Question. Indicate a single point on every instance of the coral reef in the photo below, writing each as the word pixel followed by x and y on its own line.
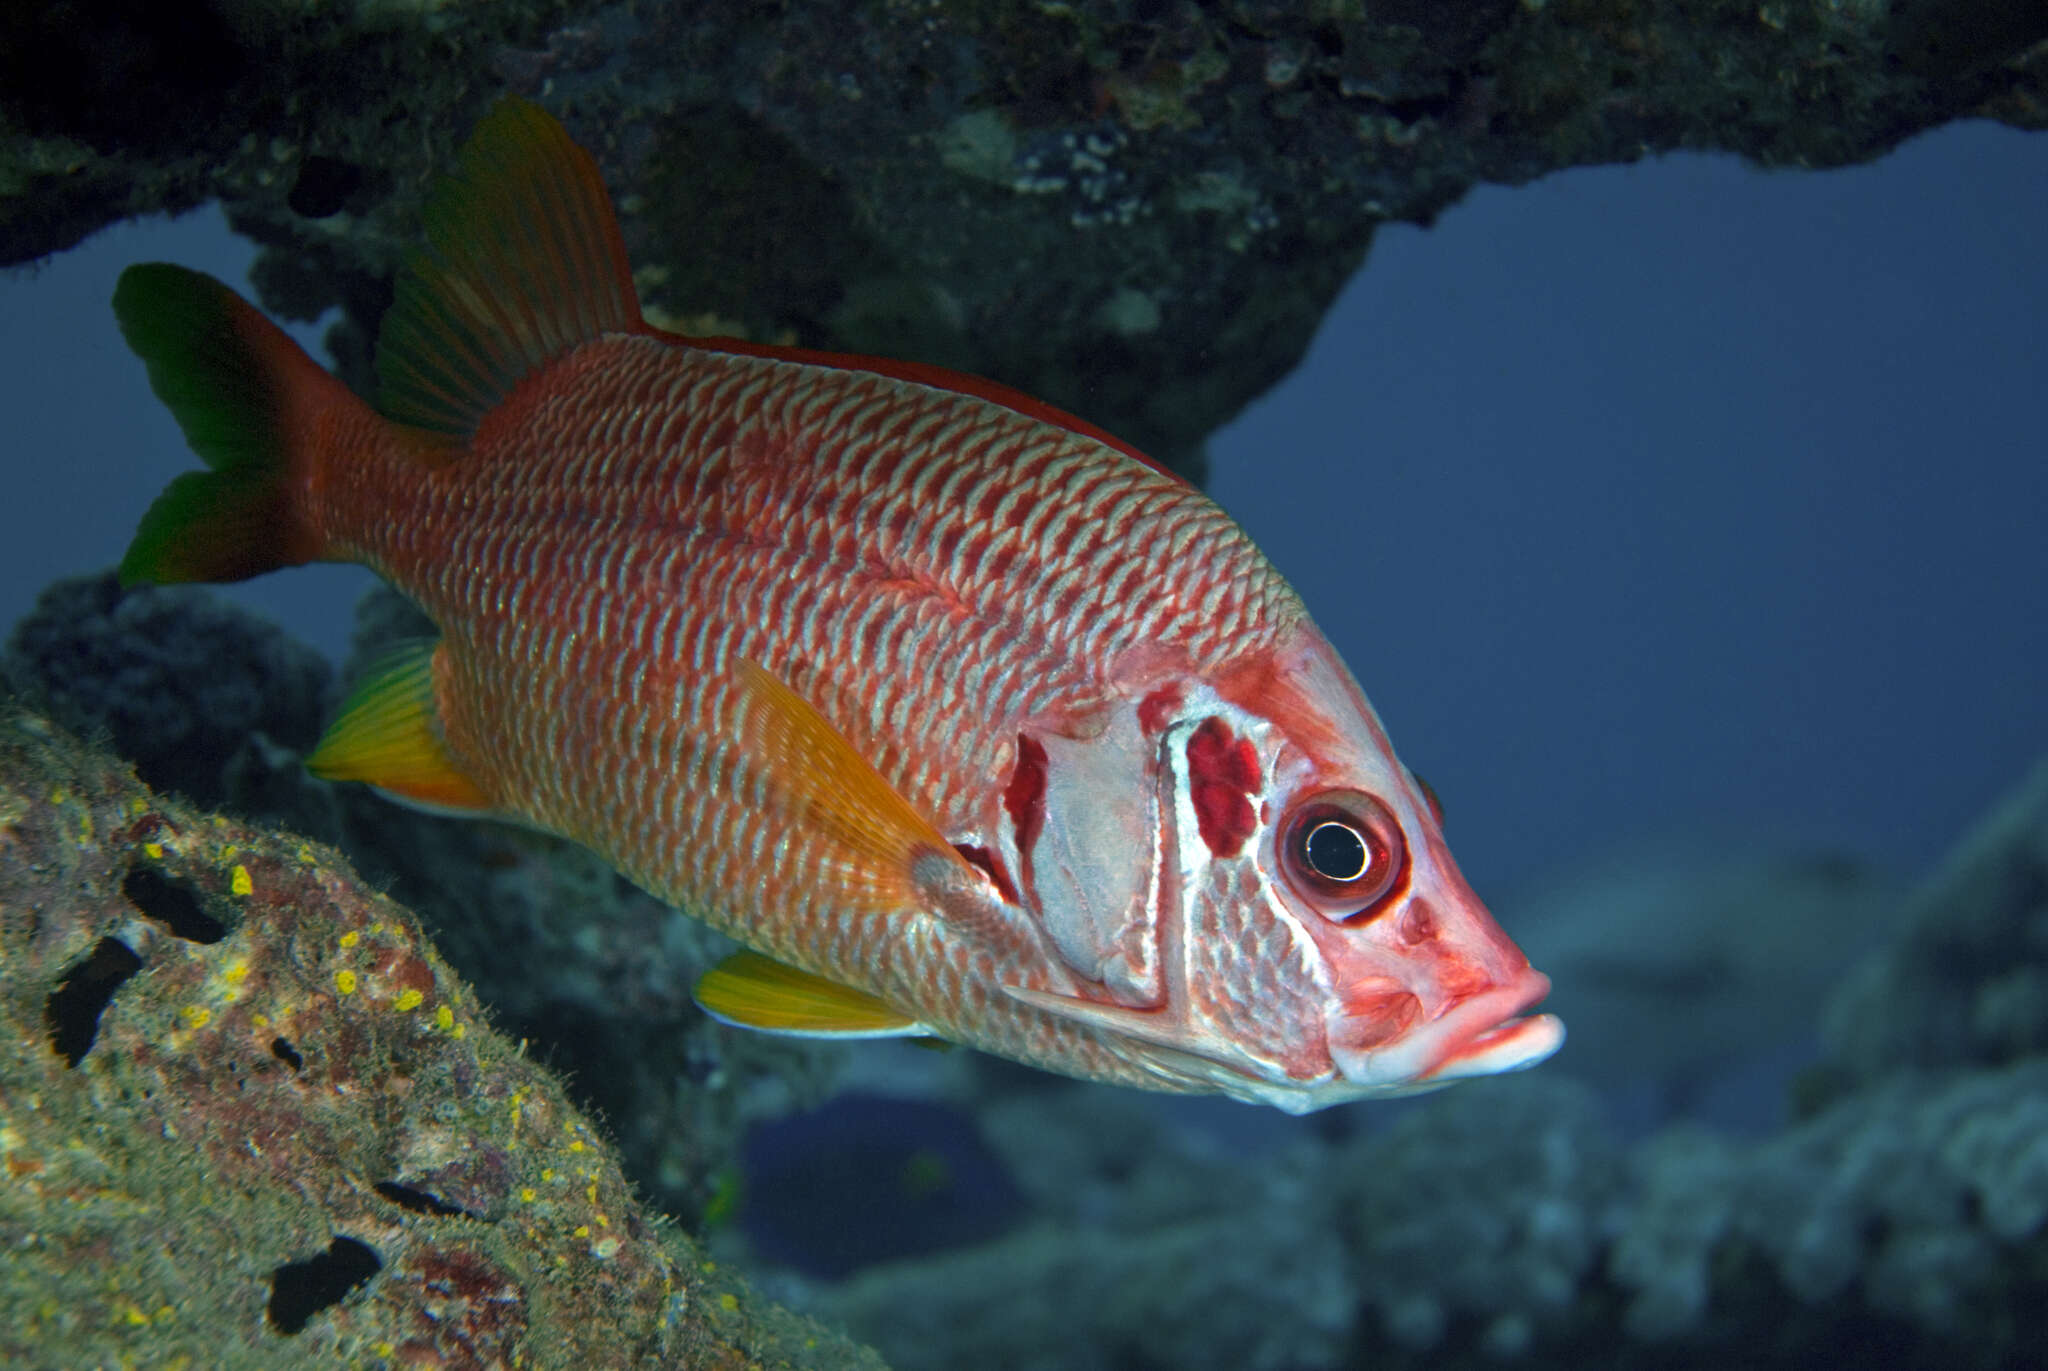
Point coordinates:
pixel 219 704
pixel 1503 1224
pixel 175 678
pixel 1967 981
pixel 250 1118
pixel 1138 212
pixel 1690 967
pixel 1908 1216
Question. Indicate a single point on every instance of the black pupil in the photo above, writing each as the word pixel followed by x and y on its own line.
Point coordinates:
pixel 1336 852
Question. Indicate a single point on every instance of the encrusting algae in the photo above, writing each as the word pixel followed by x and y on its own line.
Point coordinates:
pixel 248 1116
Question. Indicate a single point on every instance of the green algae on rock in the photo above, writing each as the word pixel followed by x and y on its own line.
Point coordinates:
pixel 248 1117
pixel 213 701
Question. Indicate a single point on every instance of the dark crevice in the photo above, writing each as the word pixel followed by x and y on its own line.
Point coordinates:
pixel 421 1201
pixel 122 76
pixel 173 904
pixel 299 1290
pixel 73 1010
pixel 324 186
pixel 282 1049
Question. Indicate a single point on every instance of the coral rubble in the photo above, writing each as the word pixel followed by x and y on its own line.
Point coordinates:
pixel 248 1117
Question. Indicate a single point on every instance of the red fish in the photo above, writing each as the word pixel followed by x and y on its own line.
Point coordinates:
pixel 966 718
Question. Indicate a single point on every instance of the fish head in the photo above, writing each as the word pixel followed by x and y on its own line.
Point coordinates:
pixel 1312 941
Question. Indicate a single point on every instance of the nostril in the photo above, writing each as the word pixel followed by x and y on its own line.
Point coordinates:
pixel 1418 924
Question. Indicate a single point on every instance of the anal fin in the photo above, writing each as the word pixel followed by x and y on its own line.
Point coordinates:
pixel 389 734
pixel 749 990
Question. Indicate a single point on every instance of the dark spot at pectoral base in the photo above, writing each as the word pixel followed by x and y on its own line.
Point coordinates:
pixel 282 1049
pixel 991 866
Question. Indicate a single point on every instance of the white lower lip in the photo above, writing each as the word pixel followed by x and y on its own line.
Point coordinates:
pixel 1482 1035
pixel 1508 1046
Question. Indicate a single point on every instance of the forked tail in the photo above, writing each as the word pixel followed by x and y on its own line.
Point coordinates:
pixel 251 403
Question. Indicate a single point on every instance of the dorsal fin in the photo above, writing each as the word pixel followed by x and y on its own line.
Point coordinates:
pixel 523 260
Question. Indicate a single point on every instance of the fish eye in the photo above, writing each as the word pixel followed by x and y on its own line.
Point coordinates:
pixel 1336 851
pixel 1343 853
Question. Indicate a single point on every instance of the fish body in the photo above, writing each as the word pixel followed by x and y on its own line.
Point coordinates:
pixel 966 718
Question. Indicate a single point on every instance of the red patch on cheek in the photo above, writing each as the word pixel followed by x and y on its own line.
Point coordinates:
pixel 1223 774
pixel 1458 977
pixel 1024 797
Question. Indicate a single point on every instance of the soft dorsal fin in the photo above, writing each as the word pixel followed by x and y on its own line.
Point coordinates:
pixel 523 260
pixel 389 734
pixel 749 990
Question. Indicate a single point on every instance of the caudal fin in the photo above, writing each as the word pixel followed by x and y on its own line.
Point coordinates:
pixel 241 390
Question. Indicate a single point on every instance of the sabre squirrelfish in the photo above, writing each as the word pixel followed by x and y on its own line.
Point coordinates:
pixel 966 718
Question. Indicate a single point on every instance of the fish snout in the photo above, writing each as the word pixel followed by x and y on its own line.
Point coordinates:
pixel 1384 1039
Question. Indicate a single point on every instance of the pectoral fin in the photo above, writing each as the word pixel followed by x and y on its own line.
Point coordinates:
pixel 886 850
pixel 749 990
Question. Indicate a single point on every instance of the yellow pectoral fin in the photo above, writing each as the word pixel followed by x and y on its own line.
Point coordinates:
pixel 884 844
pixel 388 735
pixel 748 990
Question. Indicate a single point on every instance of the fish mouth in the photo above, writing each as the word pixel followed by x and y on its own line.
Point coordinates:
pixel 1510 1044
pixel 1481 1035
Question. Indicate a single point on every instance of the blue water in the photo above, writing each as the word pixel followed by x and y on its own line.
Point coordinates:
pixel 1675 501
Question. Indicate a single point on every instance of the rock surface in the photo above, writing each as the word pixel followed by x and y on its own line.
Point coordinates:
pixel 249 1118
pixel 1138 212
